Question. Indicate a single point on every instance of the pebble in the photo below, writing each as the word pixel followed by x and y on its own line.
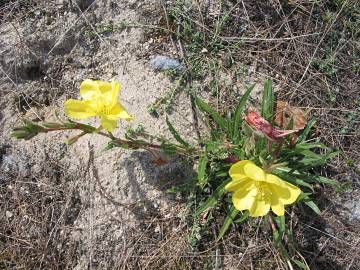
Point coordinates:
pixel 8 214
pixel 162 62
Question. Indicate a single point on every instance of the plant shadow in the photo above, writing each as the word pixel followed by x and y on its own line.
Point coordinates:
pixel 177 171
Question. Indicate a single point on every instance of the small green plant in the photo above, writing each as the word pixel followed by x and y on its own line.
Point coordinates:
pixel 244 163
pixel 326 66
pixel 352 121
pixel 102 29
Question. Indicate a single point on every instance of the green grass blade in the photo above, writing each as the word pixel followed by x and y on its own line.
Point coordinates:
pixel 228 221
pixel 239 110
pixel 175 134
pixel 202 178
pixel 306 131
pixel 300 264
pixel 243 217
pixel 212 200
pixel 268 100
pixel 204 107
pixel 313 206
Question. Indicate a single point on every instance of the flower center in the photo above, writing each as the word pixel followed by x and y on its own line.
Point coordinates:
pixel 263 190
pixel 103 108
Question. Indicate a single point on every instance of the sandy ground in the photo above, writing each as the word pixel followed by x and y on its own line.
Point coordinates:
pixel 43 61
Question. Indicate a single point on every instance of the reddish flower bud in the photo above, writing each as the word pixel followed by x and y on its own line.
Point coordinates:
pixel 231 159
pixel 264 127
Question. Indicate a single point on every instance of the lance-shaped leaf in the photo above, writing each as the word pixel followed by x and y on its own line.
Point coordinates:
pixel 228 221
pixel 176 134
pixel 204 107
pixel 238 113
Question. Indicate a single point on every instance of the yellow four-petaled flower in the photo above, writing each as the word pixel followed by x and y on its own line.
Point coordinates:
pixel 257 191
pixel 99 99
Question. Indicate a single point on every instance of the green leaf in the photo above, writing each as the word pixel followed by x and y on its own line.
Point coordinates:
pixel 222 174
pixel 244 217
pixel 239 110
pixel 51 125
pixel 300 264
pixel 213 199
pixel 276 236
pixel 306 131
pixel 228 221
pixel 280 221
pixel 326 180
pixel 310 154
pixel 28 131
pixel 293 180
pixel 168 148
pixel 313 206
pixel 176 134
pixel 204 107
pixel 321 160
pixel 202 178
pixel 303 196
pixel 110 145
pixel 302 146
pixel 268 99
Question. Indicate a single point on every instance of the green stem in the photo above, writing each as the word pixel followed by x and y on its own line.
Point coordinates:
pixel 131 144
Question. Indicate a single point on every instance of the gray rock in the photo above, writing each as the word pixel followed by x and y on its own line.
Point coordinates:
pixel 353 208
pixel 162 62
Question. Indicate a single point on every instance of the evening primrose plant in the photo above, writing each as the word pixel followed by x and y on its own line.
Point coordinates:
pixel 246 164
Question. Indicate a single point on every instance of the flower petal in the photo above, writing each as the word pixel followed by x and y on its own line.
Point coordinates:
pixel 109 92
pixel 108 122
pixel 236 184
pixel 79 109
pixel 278 208
pixel 260 207
pixel 119 111
pixel 276 205
pixel 244 197
pixel 254 172
pixel 89 89
pixel 238 176
pixel 285 192
pixel 273 179
pixel 238 167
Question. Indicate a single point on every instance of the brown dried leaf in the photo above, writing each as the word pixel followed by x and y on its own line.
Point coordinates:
pixel 284 112
pixel 159 161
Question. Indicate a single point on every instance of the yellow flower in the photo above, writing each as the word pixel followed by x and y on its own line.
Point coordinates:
pixel 99 99
pixel 255 190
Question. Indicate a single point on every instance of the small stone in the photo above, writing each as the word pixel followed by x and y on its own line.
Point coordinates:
pixel 8 214
pixel 328 229
pixel 162 62
pixel 157 229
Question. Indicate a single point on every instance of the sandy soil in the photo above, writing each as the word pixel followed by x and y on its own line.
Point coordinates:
pixel 43 61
